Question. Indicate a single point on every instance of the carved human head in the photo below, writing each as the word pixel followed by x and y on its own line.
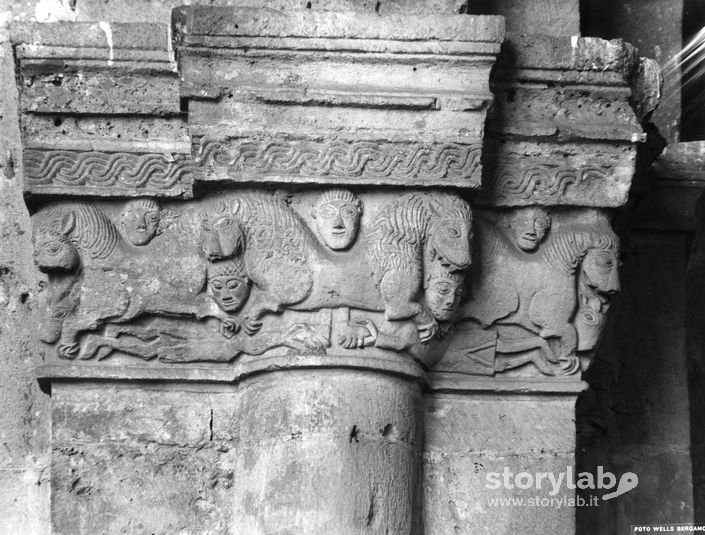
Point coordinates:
pixel 337 215
pixel 443 291
pixel 229 284
pixel 139 221
pixel 528 227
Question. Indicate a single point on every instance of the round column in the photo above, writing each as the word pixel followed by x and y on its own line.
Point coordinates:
pixel 330 450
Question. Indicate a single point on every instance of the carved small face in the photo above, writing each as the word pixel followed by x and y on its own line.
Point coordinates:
pixel 337 222
pixel 230 291
pixel 528 228
pixel 221 237
pixel 600 268
pixel 451 242
pixel 443 296
pixel 139 223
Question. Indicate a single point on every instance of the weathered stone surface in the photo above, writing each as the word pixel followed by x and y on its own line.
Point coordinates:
pixel 101 111
pixel 201 21
pixel 25 419
pixel 112 488
pixel 139 459
pixel 84 68
pixel 472 435
pixel 401 101
pixel 566 125
pixel 318 312
pixel 137 11
pixel 354 427
pixel 549 173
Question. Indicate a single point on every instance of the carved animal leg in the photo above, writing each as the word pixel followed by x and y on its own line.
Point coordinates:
pixel 263 304
pixel 568 337
pixel 137 348
pixel 113 330
pixel 543 362
pixel 507 363
pixel 399 290
pixel 92 344
pixel 68 347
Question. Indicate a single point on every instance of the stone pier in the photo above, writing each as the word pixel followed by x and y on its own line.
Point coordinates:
pixel 321 272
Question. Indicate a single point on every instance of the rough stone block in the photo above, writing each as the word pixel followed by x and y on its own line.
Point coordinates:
pixel 469 436
pixel 107 488
pixel 458 500
pixel 124 415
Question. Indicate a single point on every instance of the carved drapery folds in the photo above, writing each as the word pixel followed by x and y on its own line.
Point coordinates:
pixel 242 216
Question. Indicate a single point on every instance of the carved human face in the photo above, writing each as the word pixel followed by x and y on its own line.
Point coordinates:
pixel 443 297
pixel 451 242
pixel 230 291
pixel 600 269
pixel 139 223
pixel 528 227
pixel 337 222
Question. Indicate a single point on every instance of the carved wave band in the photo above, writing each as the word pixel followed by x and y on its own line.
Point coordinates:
pixel 543 182
pixel 101 169
pixel 360 159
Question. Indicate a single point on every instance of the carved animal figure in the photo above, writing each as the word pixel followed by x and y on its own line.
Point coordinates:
pixel 284 260
pixel 539 292
pixel 118 282
pixel 289 266
pixel 415 232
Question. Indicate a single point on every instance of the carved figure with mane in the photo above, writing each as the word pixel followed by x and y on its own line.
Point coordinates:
pixel 291 269
pixel 286 263
pixel 538 293
pixel 118 282
pixel 415 232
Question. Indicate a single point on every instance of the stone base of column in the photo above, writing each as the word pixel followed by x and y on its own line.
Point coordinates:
pixel 478 430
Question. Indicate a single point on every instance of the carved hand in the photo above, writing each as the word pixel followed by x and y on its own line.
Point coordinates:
pixel 251 325
pixel 68 350
pixel 359 334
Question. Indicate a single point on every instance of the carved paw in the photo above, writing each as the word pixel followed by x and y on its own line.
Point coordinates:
pixel 251 326
pixel 427 331
pixel 568 365
pixel 68 351
pixel 228 327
